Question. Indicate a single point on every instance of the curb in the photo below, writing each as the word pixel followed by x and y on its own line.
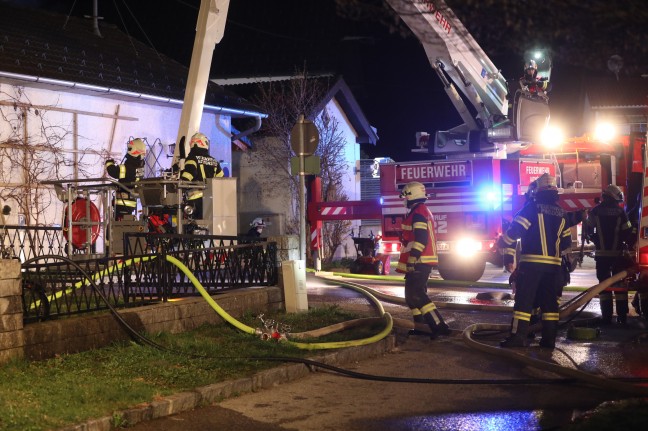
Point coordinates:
pixel 205 395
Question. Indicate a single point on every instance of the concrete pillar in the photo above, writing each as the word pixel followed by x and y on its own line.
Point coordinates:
pixel 12 338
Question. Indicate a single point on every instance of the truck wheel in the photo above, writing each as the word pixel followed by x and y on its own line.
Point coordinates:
pixel 379 267
pixel 452 268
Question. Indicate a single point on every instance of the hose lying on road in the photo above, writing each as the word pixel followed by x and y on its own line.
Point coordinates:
pixel 566 310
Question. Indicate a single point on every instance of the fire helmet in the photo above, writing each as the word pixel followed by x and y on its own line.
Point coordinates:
pixel 257 222
pixel 613 192
pixel 199 140
pixel 531 64
pixel 136 148
pixel 413 191
pixel 546 182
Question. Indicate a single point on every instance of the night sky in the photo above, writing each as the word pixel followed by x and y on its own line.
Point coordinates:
pixel 389 75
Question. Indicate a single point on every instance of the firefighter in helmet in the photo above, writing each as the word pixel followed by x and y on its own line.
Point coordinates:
pixel 256 228
pixel 536 86
pixel 541 228
pixel 608 227
pixel 127 173
pixel 199 166
pixel 417 258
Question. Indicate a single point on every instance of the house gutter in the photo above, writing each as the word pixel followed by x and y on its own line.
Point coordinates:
pixel 114 91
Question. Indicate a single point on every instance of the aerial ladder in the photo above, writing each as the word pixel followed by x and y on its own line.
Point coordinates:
pixel 490 127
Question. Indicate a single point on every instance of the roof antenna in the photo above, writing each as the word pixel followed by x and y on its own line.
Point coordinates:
pixel 95 17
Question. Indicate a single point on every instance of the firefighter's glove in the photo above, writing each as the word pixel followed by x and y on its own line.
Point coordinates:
pixel 109 162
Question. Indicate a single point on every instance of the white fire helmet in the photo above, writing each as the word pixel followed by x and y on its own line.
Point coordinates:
pixel 199 140
pixel 413 191
pixel 136 148
pixel 257 222
pixel 614 192
pixel 546 182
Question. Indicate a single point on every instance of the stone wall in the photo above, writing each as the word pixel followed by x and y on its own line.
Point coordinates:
pixel 12 338
pixel 78 333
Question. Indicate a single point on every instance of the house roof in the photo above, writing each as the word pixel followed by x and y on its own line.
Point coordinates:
pixel 46 48
pixel 340 91
pixel 617 93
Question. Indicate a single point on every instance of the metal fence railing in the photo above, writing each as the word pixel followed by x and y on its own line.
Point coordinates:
pixel 27 242
pixel 56 285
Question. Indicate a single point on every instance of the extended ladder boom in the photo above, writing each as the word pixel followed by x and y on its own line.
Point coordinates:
pixel 461 64
pixel 451 47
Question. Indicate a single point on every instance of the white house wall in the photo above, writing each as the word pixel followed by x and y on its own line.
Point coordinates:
pixel 351 180
pixel 157 123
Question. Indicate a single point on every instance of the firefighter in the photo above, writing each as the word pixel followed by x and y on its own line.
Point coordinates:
pixel 256 228
pixel 199 166
pixel 608 227
pixel 130 171
pixel 544 236
pixel 417 258
pixel 536 86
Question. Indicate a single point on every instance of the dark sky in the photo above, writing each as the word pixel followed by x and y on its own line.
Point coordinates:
pixel 388 74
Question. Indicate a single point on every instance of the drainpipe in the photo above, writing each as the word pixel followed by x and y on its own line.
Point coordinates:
pixel 95 18
pixel 256 127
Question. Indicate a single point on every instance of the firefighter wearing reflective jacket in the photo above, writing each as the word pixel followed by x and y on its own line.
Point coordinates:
pixel 608 227
pixel 531 82
pixel 417 258
pixel 542 230
pixel 130 171
pixel 199 166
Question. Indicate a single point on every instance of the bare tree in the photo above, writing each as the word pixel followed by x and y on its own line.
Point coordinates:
pixel 284 102
pixel 32 150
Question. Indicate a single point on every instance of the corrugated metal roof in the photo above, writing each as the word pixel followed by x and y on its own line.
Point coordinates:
pixel 38 43
pixel 624 92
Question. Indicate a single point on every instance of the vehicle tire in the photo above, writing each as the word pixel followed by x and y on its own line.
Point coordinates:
pixel 379 267
pixel 452 268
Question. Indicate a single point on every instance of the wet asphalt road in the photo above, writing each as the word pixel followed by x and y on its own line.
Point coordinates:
pixel 329 401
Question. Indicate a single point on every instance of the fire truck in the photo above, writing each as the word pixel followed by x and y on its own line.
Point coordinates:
pixel 479 171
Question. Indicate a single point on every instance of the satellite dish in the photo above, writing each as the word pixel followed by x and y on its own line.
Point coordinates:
pixel 615 64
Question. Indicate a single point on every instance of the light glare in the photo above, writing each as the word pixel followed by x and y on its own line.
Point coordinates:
pixel 605 132
pixel 552 137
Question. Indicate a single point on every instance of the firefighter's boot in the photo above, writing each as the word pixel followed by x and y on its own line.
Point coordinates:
pixel 622 309
pixel 436 323
pixel 549 332
pixel 518 334
pixel 605 302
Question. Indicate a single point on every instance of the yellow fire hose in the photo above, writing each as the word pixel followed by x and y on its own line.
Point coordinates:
pixel 386 317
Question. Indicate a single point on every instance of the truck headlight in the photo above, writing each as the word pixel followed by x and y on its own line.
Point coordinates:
pixel 467 247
